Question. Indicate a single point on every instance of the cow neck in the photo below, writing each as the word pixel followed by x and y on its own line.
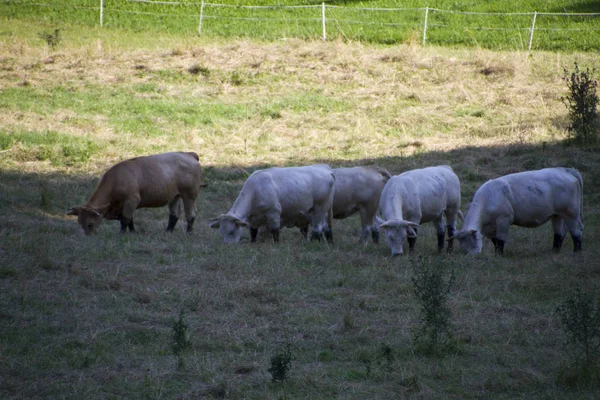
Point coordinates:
pixel 394 208
pixel 473 218
pixel 242 206
pixel 98 200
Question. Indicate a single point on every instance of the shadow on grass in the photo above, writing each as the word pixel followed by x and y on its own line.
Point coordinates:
pixel 29 196
pixel 587 6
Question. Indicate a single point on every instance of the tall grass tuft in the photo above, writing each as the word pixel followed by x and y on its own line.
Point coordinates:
pixel 180 339
pixel 432 288
pixel 281 363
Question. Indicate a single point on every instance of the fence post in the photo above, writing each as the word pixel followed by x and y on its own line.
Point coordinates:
pixel 531 31
pixel 101 13
pixel 201 14
pixel 425 25
pixel 323 23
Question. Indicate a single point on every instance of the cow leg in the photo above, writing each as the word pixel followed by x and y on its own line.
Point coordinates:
pixel 173 213
pixel 253 234
pixel 172 222
pixel 577 243
pixel 451 232
pixel 328 235
pixel 366 223
pixel 412 241
pixel 304 231
pixel 558 226
pixel 189 208
pixel 575 226
pixel 275 233
pixel 274 223
pixel 440 229
pixel 375 235
pixel 499 246
pixel 451 217
pixel 126 217
pixel 501 234
pixel 124 223
pixel 315 236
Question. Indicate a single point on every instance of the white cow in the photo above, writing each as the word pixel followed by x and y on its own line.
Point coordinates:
pixel 527 199
pixel 416 197
pixel 279 197
pixel 358 189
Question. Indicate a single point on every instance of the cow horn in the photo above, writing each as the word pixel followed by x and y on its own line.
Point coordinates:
pixel 73 211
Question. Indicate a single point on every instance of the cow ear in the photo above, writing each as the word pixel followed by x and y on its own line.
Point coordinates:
pixel 214 223
pixel 241 223
pixel 90 210
pixel 411 232
pixel 385 225
pixel 74 211
pixel 102 210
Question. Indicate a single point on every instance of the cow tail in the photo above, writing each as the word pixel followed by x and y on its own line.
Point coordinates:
pixel 330 211
pixel 383 172
pixel 577 175
pixel 179 208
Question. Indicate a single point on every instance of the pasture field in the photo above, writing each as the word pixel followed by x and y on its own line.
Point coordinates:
pixel 370 21
pixel 92 317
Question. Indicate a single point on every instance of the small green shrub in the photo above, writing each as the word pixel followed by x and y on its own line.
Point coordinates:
pixel 582 103
pixel 580 317
pixel 180 339
pixel 434 334
pixel 281 363
pixel 52 39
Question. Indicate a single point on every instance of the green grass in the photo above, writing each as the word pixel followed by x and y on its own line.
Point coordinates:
pixel 92 317
pixel 347 21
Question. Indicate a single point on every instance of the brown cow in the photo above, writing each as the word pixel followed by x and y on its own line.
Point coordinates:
pixel 151 181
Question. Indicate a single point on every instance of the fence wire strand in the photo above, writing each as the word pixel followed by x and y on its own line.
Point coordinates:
pixel 337 21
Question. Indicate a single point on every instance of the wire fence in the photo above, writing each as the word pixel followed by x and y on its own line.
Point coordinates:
pixel 520 30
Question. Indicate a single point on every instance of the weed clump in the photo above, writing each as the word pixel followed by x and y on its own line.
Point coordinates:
pixel 281 363
pixel 198 69
pixel 582 103
pixel 580 316
pixel 52 38
pixel 180 339
pixel 434 334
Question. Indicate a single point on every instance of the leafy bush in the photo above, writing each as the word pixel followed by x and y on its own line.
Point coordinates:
pixel 582 103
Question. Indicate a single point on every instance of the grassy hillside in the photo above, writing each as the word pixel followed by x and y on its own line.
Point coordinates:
pixel 347 20
pixel 92 317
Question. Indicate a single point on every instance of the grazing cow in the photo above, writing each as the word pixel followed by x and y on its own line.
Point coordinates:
pixel 416 197
pixel 293 196
pixel 151 181
pixel 358 189
pixel 527 199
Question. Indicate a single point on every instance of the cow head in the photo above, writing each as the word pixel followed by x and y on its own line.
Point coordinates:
pixel 470 241
pixel 396 231
pixel 89 218
pixel 230 227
